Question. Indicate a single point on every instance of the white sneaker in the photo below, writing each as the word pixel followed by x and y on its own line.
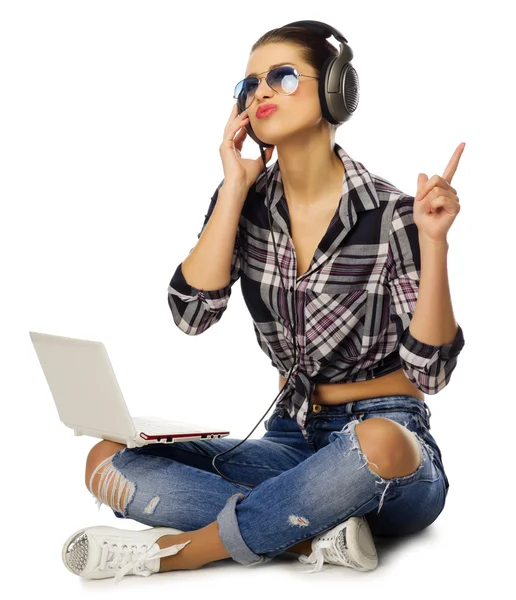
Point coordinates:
pixel 349 544
pixel 101 552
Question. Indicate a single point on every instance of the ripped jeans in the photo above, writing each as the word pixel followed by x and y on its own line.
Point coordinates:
pixel 303 487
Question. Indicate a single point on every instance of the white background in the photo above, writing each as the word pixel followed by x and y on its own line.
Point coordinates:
pixel 111 117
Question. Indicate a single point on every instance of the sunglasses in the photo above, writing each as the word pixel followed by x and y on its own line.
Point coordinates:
pixel 283 80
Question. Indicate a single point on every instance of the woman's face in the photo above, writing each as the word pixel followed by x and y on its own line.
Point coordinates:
pixel 299 113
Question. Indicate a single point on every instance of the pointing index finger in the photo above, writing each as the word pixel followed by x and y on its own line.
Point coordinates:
pixel 451 167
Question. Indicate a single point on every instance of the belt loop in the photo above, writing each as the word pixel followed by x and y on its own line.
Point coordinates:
pixel 349 407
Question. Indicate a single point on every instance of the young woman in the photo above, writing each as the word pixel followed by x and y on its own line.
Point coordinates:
pixel 347 453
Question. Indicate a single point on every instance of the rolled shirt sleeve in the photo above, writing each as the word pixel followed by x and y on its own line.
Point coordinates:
pixel 195 310
pixel 428 367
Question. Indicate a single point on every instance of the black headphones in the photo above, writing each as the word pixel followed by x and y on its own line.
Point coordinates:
pixel 338 81
pixel 338 95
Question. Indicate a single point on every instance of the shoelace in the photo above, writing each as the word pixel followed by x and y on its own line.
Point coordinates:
pixel 317 555
pixel 124 559
pixel 327 549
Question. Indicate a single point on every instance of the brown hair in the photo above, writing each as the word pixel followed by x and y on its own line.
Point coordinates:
pixel 314 48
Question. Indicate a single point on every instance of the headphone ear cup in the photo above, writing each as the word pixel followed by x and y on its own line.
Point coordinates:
pixel 351 90
pixel 323 77
pixel 338 89
pixel 338 82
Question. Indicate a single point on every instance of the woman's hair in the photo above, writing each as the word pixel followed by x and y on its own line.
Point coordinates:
pixel 314 49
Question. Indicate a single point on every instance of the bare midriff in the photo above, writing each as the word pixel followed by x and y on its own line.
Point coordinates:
pixel 393 384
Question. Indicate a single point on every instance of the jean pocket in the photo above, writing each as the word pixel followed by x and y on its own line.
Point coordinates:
pixel 411 419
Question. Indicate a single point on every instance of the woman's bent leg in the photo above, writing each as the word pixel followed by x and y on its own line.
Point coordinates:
pixel 326 489
pixel 175 485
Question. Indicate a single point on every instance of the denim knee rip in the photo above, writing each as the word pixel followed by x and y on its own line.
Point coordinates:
pixel 350 430
pixel 121 484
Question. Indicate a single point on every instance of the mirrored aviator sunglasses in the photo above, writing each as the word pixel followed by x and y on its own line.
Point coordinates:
pixel 283 80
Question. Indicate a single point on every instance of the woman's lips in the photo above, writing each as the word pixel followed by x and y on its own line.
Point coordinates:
pixel 265 111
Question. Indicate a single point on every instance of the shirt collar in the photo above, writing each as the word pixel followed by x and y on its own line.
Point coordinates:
pixel 357 185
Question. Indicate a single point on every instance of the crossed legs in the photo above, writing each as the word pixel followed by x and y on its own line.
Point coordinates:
pixel 391 450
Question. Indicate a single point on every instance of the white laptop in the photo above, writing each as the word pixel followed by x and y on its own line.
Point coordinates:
pixel 89 400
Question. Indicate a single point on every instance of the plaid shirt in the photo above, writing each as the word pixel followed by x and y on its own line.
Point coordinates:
pixel 353 305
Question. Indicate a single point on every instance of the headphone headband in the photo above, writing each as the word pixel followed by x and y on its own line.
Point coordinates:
pixel 320 28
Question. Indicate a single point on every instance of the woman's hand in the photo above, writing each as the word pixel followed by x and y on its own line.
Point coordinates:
pixel 238 170
pixel 436 203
